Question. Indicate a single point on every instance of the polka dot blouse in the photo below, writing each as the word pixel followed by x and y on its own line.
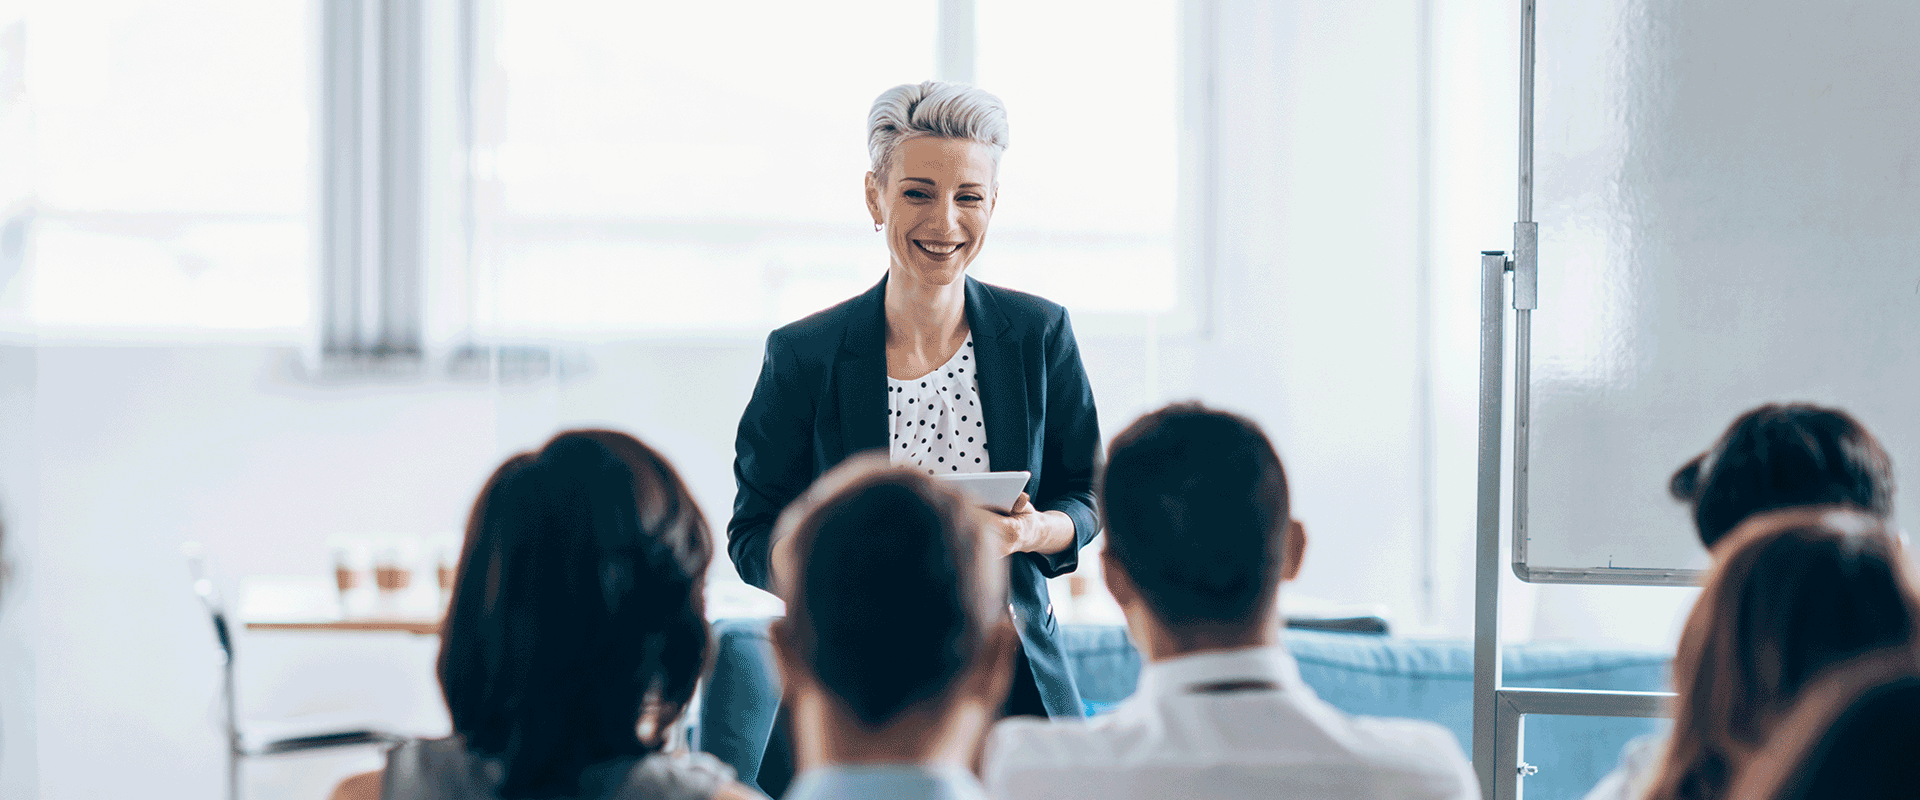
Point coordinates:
pixel 936 418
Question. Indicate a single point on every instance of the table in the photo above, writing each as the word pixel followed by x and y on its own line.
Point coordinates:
pixel 315 604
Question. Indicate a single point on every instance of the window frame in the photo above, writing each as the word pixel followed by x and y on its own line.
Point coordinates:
pixel 378 312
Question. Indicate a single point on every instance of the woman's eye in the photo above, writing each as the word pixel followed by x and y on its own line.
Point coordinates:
pixel 969 198
pixel 916 194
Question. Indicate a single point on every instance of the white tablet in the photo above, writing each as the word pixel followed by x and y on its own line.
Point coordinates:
pixel 995 490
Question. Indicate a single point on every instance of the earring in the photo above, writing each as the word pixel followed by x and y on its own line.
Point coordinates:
pixel 876 227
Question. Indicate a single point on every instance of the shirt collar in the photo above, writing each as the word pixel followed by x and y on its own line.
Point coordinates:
pixel 887 780
pixel 1272 664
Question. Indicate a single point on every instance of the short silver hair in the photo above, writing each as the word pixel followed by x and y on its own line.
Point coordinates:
pixel 934 108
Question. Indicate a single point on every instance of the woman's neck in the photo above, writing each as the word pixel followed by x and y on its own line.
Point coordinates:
pixel 922 317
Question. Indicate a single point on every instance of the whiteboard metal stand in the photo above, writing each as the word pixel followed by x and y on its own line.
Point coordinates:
pixel 1499 712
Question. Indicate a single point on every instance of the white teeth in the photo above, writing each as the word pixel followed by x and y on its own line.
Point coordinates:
pixel 938 249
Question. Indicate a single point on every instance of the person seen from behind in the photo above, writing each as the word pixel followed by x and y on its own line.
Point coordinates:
pixel 897 650
pixel 575 638
pixel 1780 456
pixel 1199 539
pixel 1853 735
pixel 1792 594
pixel 1771 457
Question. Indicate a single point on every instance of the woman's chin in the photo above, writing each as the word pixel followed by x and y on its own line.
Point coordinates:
pixel 942 274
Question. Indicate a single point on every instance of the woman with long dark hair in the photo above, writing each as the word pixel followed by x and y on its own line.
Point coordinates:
pixel 575 638
pixel 1792 593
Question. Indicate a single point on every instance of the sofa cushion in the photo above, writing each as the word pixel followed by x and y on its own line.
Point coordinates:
pixel 1430 679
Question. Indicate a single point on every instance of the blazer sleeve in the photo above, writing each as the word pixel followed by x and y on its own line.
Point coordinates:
pixel 1070 449
pixel 772 459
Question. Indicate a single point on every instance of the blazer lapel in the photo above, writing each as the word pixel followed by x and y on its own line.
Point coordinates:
pixel 860 376
pixel 1002 376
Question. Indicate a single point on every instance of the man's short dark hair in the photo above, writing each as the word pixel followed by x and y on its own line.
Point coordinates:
pixel 1781 456
pixel 895 598
pixel 1195 503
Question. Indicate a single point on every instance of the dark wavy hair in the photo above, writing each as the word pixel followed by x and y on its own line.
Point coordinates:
pixel 1778 456
pixel 577 629
pixel 1793 594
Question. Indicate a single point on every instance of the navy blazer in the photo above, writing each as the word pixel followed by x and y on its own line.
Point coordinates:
pixel 822 396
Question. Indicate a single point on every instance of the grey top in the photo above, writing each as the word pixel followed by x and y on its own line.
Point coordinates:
pixel 442 769
pixel 886 782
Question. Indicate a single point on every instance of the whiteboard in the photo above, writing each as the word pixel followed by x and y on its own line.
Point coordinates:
pixel 1728 195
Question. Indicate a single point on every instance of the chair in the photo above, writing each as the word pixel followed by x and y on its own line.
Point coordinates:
pixel 262 739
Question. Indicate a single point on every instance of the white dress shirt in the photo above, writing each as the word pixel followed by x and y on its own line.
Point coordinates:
pixel 1232 724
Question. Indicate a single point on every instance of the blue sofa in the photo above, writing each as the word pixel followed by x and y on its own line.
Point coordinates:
pixel 1359 673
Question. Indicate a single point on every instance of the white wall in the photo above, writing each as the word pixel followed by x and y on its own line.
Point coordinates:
pixel 1317 328
pixel 140 449
pixel 19 617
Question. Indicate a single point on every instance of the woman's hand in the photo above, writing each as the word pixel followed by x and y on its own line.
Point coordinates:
pixel 1013 530
pixel 1027 530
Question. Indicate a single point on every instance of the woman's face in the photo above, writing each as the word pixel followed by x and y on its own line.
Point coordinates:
pixel 935 205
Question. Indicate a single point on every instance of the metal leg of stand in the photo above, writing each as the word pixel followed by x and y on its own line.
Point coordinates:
pixel 1486 602
pixel 1513 705
pixel 1506 760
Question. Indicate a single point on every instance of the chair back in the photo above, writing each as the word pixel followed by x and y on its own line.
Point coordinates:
pixel 210 598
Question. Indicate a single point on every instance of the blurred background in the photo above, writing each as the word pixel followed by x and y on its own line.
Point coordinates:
pixel 288 278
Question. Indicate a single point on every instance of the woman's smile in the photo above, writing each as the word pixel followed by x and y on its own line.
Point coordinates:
pixel 938 251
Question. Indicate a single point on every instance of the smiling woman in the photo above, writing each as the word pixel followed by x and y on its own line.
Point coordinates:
pixel 944 372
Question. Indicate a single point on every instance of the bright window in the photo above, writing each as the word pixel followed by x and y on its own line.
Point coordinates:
pixel 172 151
pixel 1088 185
pixel 635 167
pixel 676 166
pixel 687 166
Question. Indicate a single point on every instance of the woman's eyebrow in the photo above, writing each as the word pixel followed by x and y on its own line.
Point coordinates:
pixel 929 182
